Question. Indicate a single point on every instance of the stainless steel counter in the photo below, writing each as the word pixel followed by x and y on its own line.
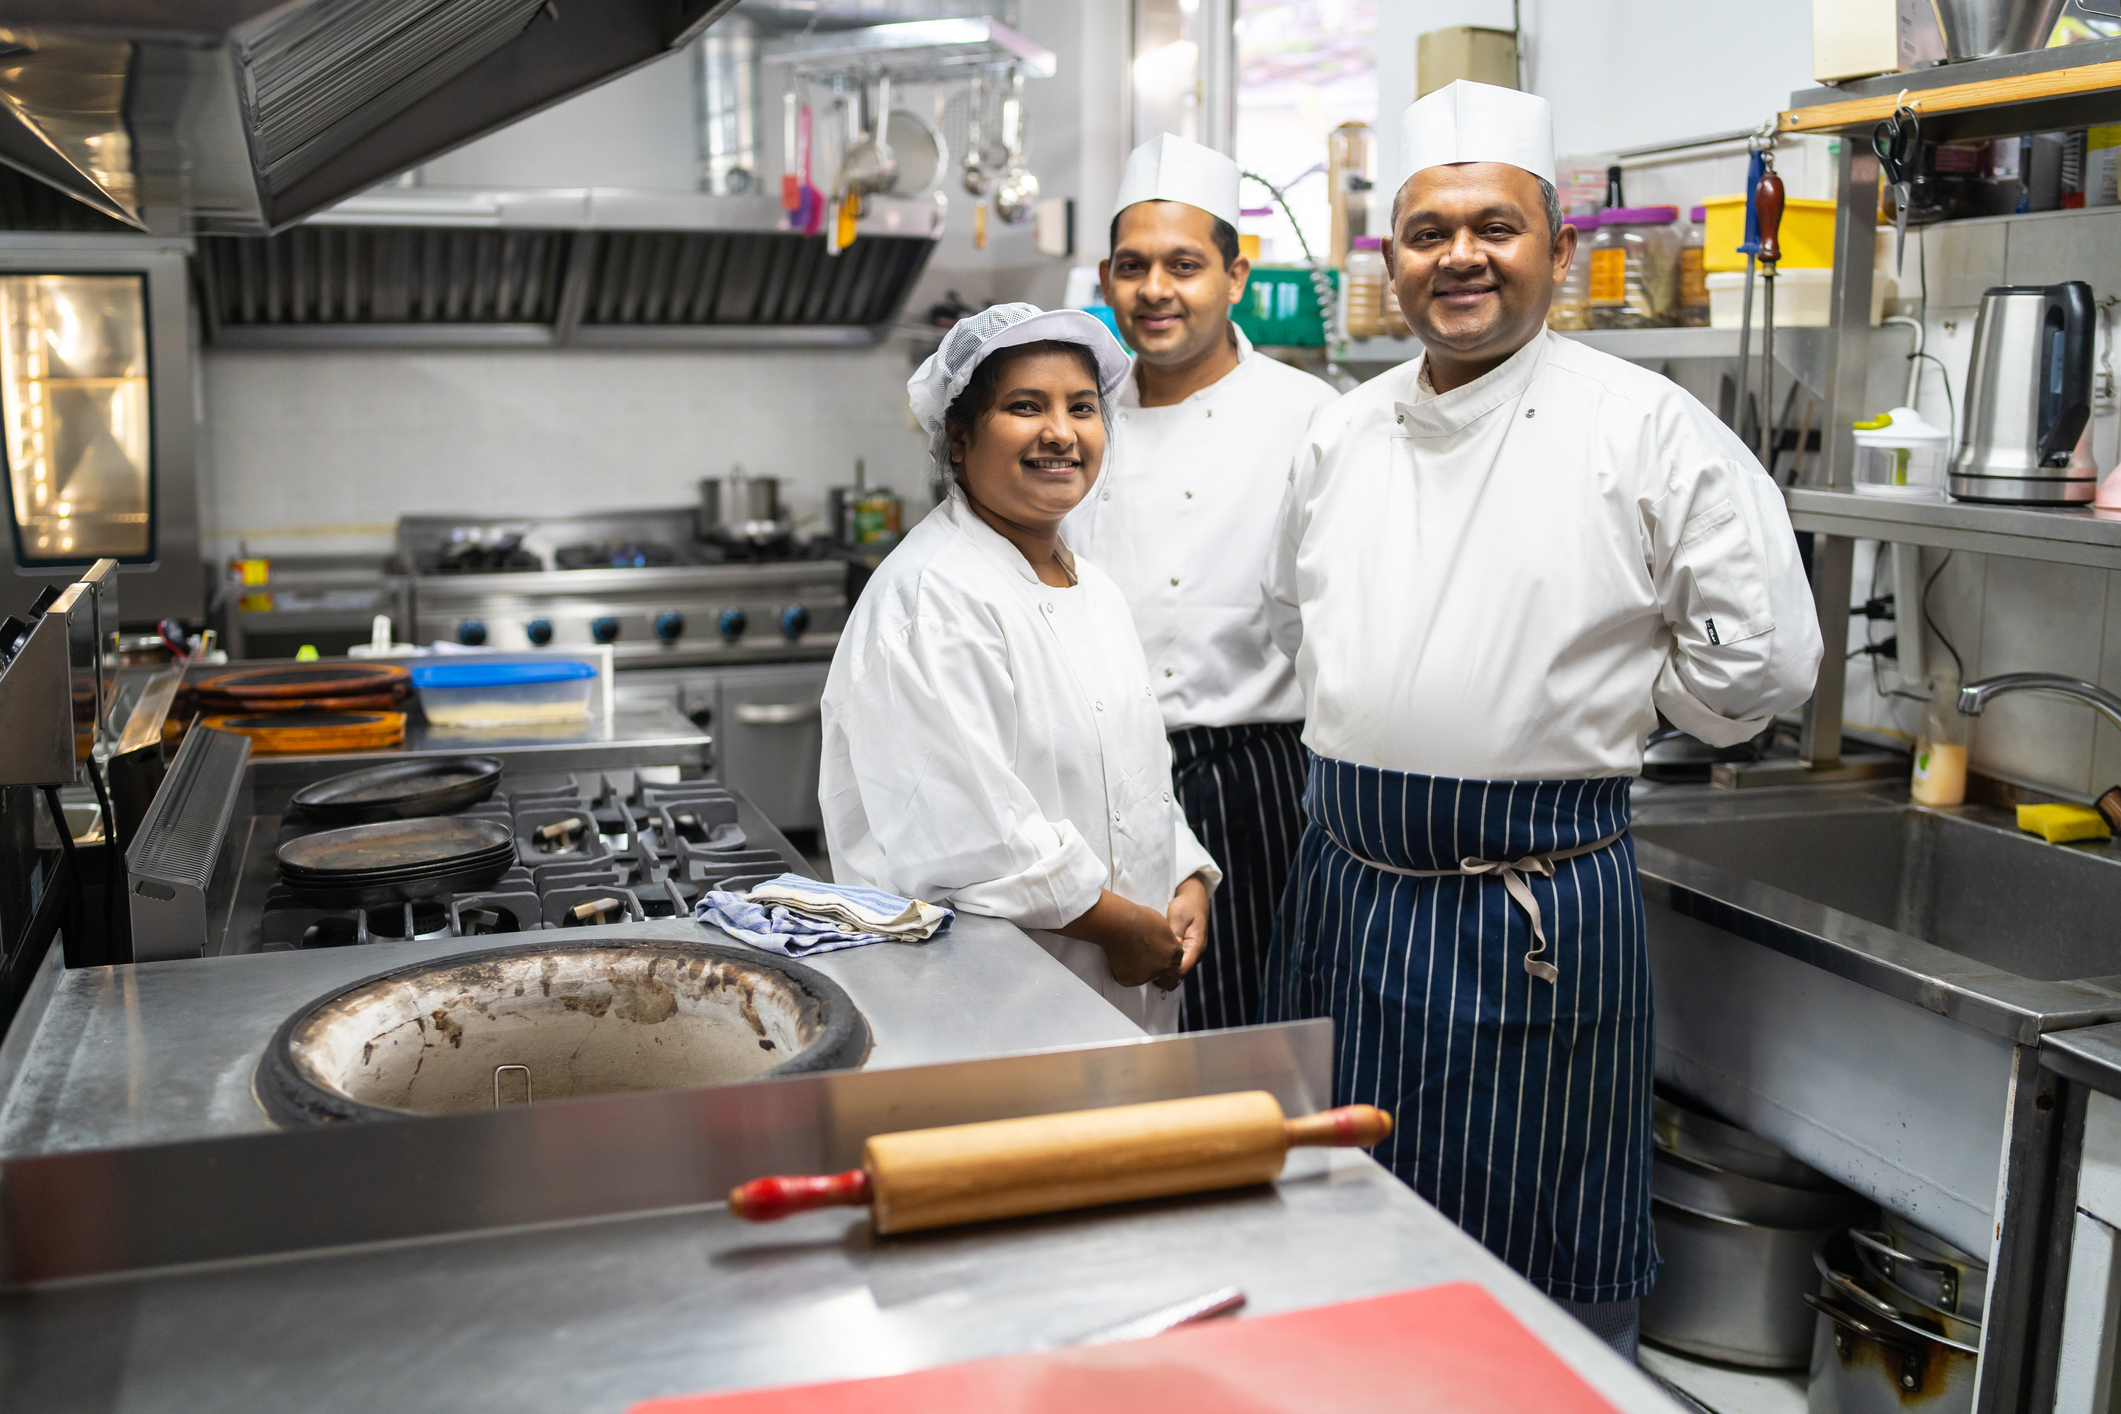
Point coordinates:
pixel 591 1316
pixel 166 1050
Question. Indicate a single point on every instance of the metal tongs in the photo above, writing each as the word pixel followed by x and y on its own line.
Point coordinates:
pixel 1898 143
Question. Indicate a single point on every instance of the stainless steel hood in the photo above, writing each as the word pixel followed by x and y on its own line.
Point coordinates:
pixel 247 115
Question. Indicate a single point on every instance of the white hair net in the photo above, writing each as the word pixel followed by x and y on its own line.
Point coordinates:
pixel 976 338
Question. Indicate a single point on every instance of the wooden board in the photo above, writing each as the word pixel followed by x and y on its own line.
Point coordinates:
pixel 1443 1350
pixel 1860 113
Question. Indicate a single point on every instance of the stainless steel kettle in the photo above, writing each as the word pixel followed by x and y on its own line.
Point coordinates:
pixel 2028 398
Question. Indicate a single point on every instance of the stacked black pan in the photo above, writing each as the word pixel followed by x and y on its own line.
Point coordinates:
pixel 387 858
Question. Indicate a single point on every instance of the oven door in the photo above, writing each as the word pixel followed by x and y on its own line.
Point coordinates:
pixel 97 418
pixel 769 738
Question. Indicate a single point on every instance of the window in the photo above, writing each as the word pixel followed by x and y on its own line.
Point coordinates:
pixel 1304 67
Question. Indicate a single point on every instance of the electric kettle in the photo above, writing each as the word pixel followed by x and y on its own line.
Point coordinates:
pixel 2028 399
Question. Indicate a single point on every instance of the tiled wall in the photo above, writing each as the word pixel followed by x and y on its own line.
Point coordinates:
pixel 2007 615
pixel 318 451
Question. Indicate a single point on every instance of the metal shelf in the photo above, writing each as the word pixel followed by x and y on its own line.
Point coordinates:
pixel 915 51
pixel 2076 86
pixel 2059 536
pixel 1802 351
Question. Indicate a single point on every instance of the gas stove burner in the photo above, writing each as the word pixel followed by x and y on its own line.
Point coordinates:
pixel 486 557
pixel 625 556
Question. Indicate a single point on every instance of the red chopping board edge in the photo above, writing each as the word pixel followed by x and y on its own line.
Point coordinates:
pixel 1441 1348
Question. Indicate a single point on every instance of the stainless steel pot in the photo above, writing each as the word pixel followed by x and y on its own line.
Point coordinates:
pixel 1683 1128
pixel 1927 1268
pixel 1731 1290
pixel 1864 1362
pixel 1709 1189
pixel 1982 29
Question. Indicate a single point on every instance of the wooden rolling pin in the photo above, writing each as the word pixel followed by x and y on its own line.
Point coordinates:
pixel 1011 1168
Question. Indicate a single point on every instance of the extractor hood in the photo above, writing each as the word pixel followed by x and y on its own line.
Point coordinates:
pixel 180 116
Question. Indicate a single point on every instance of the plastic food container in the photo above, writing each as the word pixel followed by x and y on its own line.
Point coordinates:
pixel 1804 298
pixel 1571 308
pixel 1900 454
pixel 1807 233
pixel 1366 288
pixel 1635 268
pixel 504 694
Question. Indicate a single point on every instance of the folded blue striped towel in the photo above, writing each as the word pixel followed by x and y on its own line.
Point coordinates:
pixel 795 916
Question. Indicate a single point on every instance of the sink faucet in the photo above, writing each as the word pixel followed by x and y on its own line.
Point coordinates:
pixel 1976 695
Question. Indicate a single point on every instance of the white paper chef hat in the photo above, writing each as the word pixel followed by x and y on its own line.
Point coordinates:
pixel 976 338
pixel 1478 122
pixel 1169 168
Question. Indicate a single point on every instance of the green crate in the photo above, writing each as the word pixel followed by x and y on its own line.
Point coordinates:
pixel 1281 307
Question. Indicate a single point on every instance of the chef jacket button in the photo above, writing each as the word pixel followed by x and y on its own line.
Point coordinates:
pixel 1531 412
pixel 1106 496
pixel 1402 420
pixel 1167 672
pixel 1189 495
pixel 1167 795
pixel 1211 412
pixel 1174 579
pixel 1100 706
pixel 1047 607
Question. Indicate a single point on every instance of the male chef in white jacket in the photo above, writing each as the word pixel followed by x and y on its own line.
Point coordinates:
pixel 1497 564
pixel 1184 519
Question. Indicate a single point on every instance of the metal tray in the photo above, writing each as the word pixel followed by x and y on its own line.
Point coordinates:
pixel 402 790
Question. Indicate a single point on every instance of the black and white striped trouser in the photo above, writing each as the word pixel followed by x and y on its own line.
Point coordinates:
pixel 1242 790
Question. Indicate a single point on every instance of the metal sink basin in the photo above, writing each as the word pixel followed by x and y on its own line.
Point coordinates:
pixel 1965 880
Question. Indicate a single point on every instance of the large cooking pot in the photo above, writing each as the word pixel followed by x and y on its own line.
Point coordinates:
pixel 1738 1223
pixel 1928 1269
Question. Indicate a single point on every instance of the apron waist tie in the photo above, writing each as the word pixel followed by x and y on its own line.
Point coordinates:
pixel 1512 873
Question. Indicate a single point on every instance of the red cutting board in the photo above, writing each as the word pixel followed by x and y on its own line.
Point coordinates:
pixel 1447 1348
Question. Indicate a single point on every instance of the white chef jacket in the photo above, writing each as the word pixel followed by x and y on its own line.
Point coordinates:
pixel 1501 582
pixel 1184 520
pixel 992 742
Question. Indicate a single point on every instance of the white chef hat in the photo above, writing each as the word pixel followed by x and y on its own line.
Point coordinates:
pixel 976 338
pixel 1478 122
pixel 1169 168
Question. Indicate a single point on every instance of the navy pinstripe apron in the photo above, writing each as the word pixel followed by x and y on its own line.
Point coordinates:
pixel 1521 1105
pixel 1242 790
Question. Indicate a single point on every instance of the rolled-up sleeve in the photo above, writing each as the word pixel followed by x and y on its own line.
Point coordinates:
pixel 927 725
pixel 1730 584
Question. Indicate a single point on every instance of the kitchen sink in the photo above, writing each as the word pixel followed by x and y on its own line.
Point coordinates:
pixel 1965 880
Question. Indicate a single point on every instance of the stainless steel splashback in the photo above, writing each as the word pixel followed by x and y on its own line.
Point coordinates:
pixel 247 115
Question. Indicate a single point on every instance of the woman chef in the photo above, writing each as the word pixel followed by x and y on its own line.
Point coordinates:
pixel 991 738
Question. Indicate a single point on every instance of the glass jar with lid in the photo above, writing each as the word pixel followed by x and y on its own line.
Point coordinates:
pixel 1900 454
pixel 1571 308
pixel 1635 268
pixel 1693 271
pixel 1366 288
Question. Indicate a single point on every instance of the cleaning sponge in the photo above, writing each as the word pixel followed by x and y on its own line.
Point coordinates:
pixel 2061 824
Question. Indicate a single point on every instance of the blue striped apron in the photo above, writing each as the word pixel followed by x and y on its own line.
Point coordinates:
pixel 1521 1105
pixel 1242 790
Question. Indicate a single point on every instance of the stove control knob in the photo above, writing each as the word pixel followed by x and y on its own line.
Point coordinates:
pixel 604 629
pixel 472 633
pixel 732 624
pixel 670 625
pixel 795 621
pixel 538 631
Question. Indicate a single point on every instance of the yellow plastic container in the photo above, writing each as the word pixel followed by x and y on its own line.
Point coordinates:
pixel 1807 234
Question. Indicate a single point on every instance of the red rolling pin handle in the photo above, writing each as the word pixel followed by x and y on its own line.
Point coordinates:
pixel 1767 205
pixel 764 1200
pixel 1349 1127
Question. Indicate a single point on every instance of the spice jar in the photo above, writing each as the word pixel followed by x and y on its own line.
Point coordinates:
pixel 1635 268
pixel 1366 288
pixel 1571 308
pixel 1693 271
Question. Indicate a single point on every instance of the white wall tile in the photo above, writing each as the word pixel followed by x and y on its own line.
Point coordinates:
pixel 2040 618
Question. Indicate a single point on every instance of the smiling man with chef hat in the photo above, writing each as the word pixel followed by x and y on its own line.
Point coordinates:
pixel 1184 521
pixel 1497 564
